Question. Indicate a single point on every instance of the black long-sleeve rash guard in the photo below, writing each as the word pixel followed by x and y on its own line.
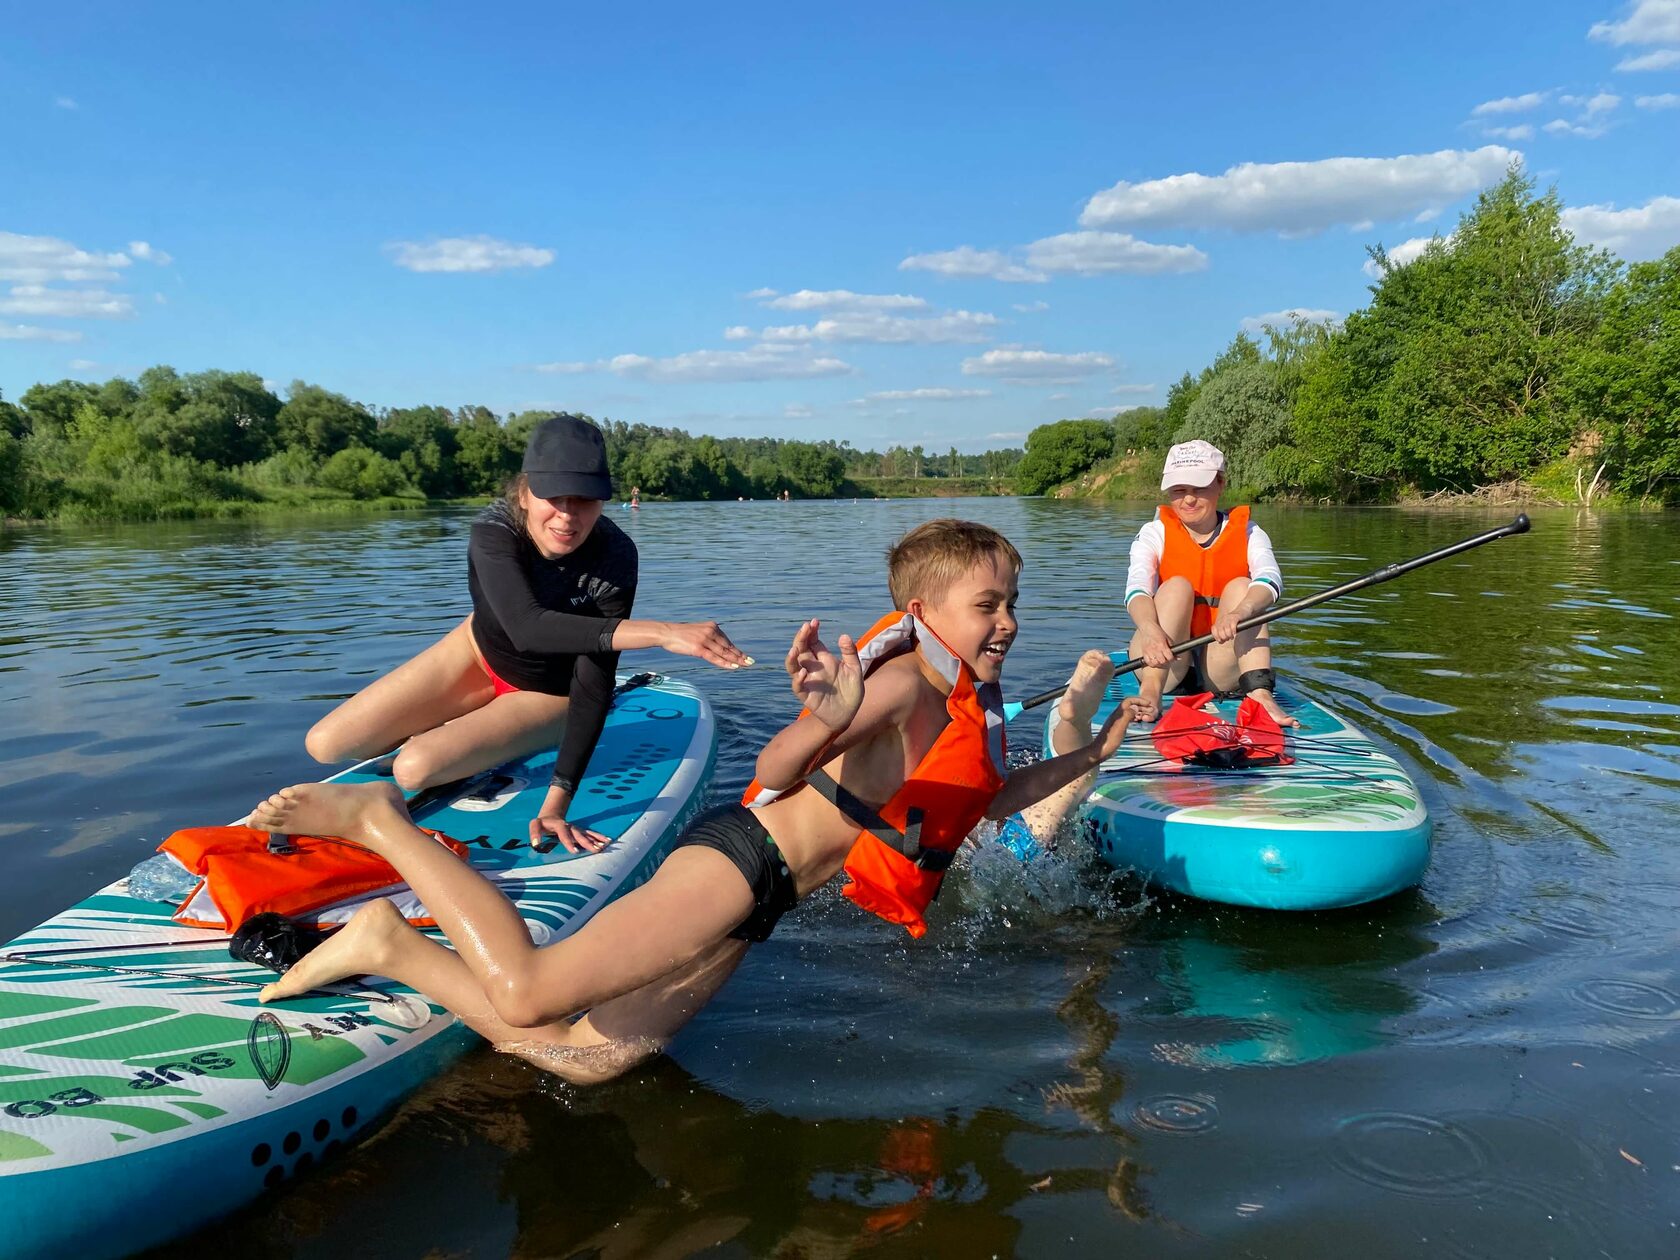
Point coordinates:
pixel 547 625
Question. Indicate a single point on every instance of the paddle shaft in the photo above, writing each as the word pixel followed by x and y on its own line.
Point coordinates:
pixel 1385 574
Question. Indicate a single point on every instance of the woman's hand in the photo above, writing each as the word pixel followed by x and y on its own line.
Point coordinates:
pixel 1225 623
pixel 550 827
pixel 1154 646
pixel 706 640
pixel 829 687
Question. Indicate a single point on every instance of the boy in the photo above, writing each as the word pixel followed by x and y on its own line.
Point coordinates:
pixel 901 766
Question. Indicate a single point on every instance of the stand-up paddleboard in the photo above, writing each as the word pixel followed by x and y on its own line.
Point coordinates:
pixel 144 1091
pixel 1341 825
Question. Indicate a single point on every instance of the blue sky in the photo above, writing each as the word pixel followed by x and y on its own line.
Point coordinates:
pixel 888 223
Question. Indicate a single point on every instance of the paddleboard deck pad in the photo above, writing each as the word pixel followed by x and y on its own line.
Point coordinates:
pixel 143 1096
pixel 1341 825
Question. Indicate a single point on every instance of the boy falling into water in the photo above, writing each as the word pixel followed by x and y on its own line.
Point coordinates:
pixel 900 746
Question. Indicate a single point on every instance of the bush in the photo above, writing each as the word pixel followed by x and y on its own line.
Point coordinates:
pixel 1060 452
pixel 362 474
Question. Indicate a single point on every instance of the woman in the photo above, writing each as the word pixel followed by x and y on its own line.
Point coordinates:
pixel 1195 569
pixel 552 584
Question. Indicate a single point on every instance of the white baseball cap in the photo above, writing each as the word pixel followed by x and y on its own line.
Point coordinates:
pixel 1192 464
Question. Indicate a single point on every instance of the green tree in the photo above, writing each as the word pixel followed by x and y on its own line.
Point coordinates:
pixel 50 408
pixel 362 474
pixel 222 418
pixel 485 455
pixel 322 422
pixel 422 441
pixel 1243 412
pixel 1061 451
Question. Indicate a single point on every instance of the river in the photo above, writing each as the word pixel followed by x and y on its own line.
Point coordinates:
pixel 1067 1066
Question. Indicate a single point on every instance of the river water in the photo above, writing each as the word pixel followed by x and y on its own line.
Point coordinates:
pixel 1066 1066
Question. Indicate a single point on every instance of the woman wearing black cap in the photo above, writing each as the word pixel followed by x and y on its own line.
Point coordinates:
pixel 552 584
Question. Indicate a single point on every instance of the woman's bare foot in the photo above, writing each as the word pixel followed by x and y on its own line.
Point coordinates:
pixel 1151 683
pixel 1267 701
pixel 361 947
pixel 350 811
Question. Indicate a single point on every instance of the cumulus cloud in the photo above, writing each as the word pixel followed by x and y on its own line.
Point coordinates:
pixel 1636 233
pixel 1510 104
pixel 1301 197
pixel 39 300
pixel 1104 253
pixel 1661 59
pixel 46 259
pixel 28 332
pixel 1282 319
pixel 1592 106
pixel 883 329
pixel 1401 254
pixel 797 411
pixel 82 365
pixel 467 253
pixel 1037 367
pixel 149 253
pixel 1523 131
pixel 760 363
pixel 838 300
pixel 967 263
pixel 1563 127
pixel 923 395
pixel 1647 22
pixel 1664 100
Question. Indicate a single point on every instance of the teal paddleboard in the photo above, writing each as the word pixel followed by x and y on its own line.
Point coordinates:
pixel 1342 825
pixel 145 1092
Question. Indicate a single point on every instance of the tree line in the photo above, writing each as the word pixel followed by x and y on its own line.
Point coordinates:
pixel 1504 352
pixel 173 444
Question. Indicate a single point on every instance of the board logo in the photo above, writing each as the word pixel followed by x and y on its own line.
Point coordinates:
pixel 270 1047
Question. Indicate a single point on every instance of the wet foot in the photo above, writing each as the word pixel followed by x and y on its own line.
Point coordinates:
pixel 361 947
pixel 1267 701
pixel 1085 690
pixel 350 811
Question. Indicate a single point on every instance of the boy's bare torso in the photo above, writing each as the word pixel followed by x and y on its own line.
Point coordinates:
pixel 812 834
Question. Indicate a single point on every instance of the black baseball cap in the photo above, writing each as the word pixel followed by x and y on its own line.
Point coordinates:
pixel 567 457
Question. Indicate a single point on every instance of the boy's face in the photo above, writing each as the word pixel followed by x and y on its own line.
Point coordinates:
pixel 976 616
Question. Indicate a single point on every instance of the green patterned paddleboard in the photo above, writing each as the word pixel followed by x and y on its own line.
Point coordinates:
pixel 144 1091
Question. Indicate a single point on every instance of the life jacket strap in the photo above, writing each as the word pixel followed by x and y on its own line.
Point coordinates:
pixel 908 842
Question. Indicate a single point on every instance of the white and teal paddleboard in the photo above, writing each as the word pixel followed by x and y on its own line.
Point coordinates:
pixel 143 1095
pixel 1343 825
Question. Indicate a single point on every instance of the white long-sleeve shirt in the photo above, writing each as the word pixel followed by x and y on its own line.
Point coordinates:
pixel 1144 575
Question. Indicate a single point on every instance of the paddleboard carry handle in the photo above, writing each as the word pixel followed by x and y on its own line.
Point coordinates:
pixel 1125 665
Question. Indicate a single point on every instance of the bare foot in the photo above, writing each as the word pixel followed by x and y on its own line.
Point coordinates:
pixel 1150 685
pixel 350 811
pixel 1268 702
pixel 361 947
pixel 1085 689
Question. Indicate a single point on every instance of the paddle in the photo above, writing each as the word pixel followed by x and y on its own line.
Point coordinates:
pixel 1014 709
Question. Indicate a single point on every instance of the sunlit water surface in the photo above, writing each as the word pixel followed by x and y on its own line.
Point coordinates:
pixel 1489 1065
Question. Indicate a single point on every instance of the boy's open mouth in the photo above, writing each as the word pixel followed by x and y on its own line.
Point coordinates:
pixel 997 649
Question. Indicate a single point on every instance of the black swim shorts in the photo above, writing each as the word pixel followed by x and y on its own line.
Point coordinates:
pixel 734 831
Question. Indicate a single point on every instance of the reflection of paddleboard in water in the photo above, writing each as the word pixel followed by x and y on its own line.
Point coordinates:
pixel 1341 825
pixel 144 1091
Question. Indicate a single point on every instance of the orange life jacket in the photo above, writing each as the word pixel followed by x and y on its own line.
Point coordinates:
pixel 903 849
pixel 242 876
pixel 1207 568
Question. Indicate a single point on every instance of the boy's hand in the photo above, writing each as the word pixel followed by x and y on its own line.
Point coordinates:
pixel 829 687
pixel 1113 731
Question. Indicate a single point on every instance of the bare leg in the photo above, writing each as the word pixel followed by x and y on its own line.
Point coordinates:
pixel 1251 649
pixel 1174 602
pixel 443 682
pixel 693 901
pixel 512 725
pixel 1072 729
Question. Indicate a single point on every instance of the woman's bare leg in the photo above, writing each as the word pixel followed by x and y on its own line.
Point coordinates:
pixel 694 900
pixel 1174 602
pixel 443 682
pixel 513 725
pixel 1251 649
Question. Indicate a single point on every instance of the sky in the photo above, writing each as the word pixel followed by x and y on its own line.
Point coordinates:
pixel 883 223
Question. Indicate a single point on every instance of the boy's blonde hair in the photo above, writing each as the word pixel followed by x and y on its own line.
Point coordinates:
pixel 924 563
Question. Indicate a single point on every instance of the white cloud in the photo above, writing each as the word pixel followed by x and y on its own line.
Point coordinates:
pixel 44 259
pixel 1100 253
pixel 1510 104
pixel 1664 100
pixel 966 262
pixel 82 365
pixel 1592 106
pixel 1107 413
pixel 923 395
pixel 1123 390
pixel 1637 233
pixel 1004 437
pixel 1037 366
pixel 1563 127
pixel 761 363
pixel 838 300
pixel 1300 197
pixel 739 332
pixel 1280 319
pixel 467 253
pixel 1401 254
pixel 1661 59
pixel 28 332
pixel 883 329
pixel 149 253
pixel 37 299
pixel 566 368
pixel 1648 22
pixel 797 411
pixel 1032 308
pixel 65 102
pixel 1523 131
